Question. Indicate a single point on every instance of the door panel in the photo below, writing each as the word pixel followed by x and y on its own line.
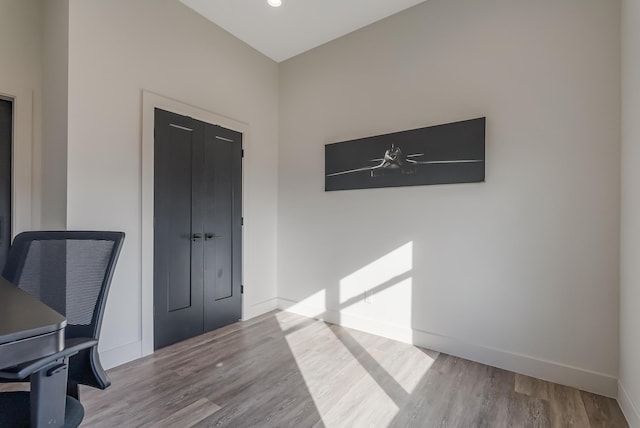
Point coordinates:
pixel 178 189
pixel 222 199
pixel 6 133
pixel 178 259
pixel 219 206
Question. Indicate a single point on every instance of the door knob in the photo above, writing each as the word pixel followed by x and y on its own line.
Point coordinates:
pixel 195 237
pixel 209 235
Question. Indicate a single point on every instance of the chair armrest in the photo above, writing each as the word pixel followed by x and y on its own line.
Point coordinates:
pixel 71 347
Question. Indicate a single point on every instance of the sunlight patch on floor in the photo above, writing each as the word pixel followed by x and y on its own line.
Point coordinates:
pixel 366 377
pixel 337 383
pixel 406 364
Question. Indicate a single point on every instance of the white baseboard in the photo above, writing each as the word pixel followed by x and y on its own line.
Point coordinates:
pixel 587 380
pixel 122 354
pixel 258 309
pixel 628 407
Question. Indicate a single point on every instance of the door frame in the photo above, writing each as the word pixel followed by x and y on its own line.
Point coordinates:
pixel 151 101
pixel 25 160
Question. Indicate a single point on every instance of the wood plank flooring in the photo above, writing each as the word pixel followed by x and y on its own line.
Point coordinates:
pixel 283 370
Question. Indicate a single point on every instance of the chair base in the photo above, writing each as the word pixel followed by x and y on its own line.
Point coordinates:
pixel 15 411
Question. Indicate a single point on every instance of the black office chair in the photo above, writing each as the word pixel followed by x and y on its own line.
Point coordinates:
pixel 71 272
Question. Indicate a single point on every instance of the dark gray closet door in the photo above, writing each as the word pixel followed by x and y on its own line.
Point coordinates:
pixel 6 132
pixel 178 241
pixel 222 226
pixel 197 229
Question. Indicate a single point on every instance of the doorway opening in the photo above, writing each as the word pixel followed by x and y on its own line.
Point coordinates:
pixel 6 156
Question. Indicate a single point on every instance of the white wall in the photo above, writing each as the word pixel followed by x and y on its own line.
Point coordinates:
pixel 55 59
pixel 629 386
pixel 117 49
pixel 519 272
pixel 20 79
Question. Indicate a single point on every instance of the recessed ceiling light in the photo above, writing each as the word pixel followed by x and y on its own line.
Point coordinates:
pixel 275 3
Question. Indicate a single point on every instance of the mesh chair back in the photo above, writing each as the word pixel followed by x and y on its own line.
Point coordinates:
pixel 70 271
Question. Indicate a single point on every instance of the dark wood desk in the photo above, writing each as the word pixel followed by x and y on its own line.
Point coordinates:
pixel 29 329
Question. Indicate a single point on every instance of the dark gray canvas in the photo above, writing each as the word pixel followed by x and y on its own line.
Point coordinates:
pixel 450 153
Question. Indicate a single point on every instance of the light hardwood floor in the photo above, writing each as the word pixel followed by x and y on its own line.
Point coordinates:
pixel 283 370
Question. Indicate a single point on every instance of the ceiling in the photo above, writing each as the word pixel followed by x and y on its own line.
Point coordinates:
pixel 296 26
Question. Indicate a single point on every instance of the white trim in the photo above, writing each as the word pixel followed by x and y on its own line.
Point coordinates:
pixel 628 407
pixel 122 354
pixel 258 309
pixel 587 380
pixel 150 101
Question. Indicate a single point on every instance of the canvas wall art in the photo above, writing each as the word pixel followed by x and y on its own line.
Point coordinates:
pixel 442 154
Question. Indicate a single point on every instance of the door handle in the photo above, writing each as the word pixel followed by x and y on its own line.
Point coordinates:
pixel 195 237
pixel 210 235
